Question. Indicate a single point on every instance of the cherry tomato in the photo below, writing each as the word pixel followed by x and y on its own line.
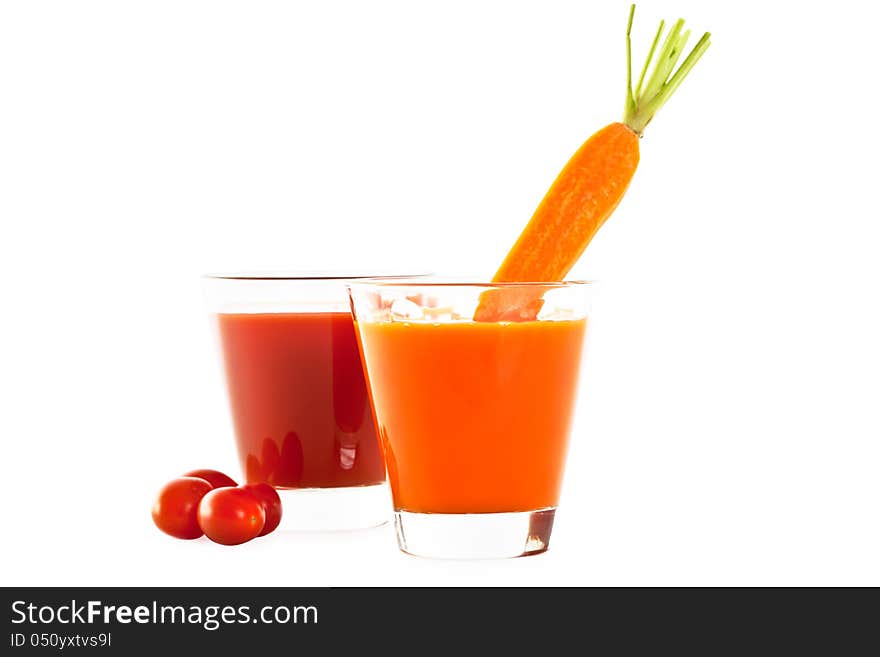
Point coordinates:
pixel 215 478
pixel 176 506
pixel 231 516
pixel 271 502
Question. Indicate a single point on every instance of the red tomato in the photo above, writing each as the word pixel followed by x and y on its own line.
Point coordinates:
pixel 176 505
pixel 231 516
pixel 213 477
pixel 271 502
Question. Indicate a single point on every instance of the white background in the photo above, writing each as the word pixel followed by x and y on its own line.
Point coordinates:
pixel 728 427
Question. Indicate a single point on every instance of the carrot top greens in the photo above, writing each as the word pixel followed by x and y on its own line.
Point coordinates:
pixel 643 102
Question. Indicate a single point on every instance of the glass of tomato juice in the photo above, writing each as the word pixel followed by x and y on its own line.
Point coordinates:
pixel 298 397
pixel 473 387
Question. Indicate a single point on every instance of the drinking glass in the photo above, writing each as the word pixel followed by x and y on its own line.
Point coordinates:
pixel 473 388
pixel 298 397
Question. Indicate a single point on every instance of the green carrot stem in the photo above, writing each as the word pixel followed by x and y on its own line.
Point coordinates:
pixel 650 56
pixel 648 97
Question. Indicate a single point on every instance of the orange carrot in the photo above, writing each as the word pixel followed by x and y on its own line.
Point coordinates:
pixel 591 185
pixel 580 200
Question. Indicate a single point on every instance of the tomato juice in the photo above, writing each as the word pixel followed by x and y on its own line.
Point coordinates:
pixel 299 400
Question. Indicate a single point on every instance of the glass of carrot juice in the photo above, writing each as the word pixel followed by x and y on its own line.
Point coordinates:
pixel 473 389
pixel 298 397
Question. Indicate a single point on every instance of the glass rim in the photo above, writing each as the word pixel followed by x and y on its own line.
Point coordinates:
pixel 486 284
pixel 270 275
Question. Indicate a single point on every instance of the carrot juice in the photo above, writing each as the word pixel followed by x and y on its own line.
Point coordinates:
pixel 473 417
pixel 299 400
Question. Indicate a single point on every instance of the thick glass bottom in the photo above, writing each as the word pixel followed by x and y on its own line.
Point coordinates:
pixel 474 535
pixel 331 509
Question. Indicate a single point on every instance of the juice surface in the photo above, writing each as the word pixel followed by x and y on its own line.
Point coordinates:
pixel 299 400
pixel 474 417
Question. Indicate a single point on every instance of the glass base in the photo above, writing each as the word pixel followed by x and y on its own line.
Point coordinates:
pixel 474 535
pixel 331 509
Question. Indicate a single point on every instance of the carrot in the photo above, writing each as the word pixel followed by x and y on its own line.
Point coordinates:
pixel 583 196
pixel 591 184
